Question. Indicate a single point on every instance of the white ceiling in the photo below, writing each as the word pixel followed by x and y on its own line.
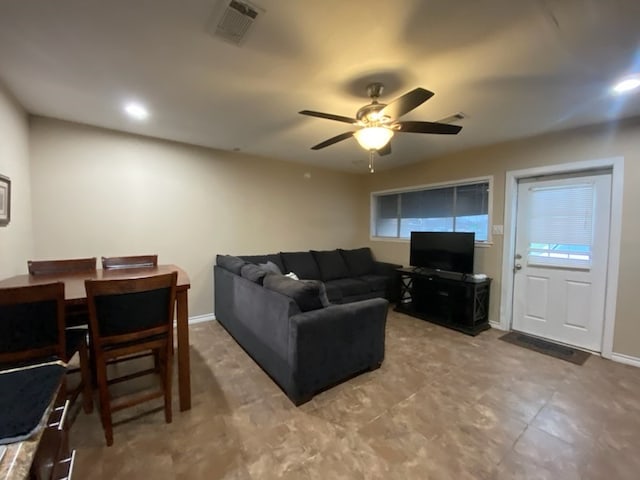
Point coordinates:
pixel 515 67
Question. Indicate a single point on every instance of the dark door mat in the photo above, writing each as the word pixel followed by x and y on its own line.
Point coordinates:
pixel 548 348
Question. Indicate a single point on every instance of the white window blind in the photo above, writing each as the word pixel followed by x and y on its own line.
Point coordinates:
pixel 561 225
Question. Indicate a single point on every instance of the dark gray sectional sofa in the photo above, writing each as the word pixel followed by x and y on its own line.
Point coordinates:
pixel 306 334
pixel 348 275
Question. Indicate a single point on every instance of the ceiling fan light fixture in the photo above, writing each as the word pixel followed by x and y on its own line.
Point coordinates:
pixel 373 138
pixel 627 84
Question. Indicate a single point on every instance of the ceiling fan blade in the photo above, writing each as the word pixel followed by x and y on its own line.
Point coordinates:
pixel 329 116
pixel 332 140
pixel 386 150
pixel 429 127
pixel 406 103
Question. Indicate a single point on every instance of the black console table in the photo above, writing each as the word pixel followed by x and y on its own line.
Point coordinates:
pixel 452 300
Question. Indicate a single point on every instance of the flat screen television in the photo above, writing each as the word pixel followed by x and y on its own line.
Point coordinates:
pixel 446 251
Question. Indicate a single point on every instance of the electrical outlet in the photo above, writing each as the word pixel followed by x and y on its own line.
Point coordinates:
pixel 497 229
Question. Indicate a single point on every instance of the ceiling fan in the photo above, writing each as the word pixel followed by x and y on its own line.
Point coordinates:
pixel 377 122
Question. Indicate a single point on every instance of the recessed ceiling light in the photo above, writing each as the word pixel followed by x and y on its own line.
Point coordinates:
pixel 627 84
pixel 136 110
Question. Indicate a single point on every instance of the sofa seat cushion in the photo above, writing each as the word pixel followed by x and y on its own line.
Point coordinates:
pixel 258 259
pixel 359 261
pixel 377 283
pixel 302 264
pixel 349 286
pixel 334 293
pixel 230 263
pixel 331 265
pixel 308 294
pixel 253 272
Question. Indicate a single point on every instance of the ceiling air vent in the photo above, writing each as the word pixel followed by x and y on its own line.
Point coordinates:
pixel 456 117
pixel 234 21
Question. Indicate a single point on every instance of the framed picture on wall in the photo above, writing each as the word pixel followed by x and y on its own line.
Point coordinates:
pixel 5 200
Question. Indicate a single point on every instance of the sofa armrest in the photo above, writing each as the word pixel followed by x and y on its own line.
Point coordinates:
pixel 332 343
pixel 385 268
pixel 389 270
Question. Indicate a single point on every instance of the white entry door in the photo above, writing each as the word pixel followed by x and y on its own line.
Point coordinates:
pixel 562 244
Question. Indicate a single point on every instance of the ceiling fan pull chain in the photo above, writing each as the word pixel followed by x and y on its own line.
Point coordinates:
pixel 371 155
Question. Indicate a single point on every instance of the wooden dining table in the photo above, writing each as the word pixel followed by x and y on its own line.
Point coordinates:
pixel 75 294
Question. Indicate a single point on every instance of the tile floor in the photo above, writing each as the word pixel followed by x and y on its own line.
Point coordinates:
pixel 442 406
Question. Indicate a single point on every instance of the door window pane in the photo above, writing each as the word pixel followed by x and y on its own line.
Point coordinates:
pixel 561 225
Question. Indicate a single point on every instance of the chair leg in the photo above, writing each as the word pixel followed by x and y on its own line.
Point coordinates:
pixel 85 375
pixel 105 404
pixel 167 373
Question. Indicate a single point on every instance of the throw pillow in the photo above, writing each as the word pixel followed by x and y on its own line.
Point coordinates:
pixel 258 259
pixel 270 267
pixel 231 263
pixel 306 293
pixel 331 264
pixel 253 273
pixel 359 261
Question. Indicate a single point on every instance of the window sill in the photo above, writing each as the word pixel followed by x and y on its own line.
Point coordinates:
pixel 406 240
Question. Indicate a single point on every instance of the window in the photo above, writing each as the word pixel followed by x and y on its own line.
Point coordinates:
pixel 561 225
pixel 462 207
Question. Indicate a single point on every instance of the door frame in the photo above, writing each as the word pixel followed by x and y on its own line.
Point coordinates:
pixel 613 261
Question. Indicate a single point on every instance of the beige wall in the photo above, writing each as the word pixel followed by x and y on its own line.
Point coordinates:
pixel 583 144
pixel 98 192
pixel 16 238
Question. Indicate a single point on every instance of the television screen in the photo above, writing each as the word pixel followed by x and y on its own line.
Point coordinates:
pixel 447 251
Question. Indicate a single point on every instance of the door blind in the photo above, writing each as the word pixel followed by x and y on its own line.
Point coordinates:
pixel 561 225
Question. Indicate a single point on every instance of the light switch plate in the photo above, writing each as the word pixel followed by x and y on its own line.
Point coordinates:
pixel 497 229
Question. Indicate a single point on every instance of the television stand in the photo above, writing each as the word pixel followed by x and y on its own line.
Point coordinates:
pixel 444 298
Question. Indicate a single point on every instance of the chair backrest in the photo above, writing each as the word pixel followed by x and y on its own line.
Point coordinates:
pixel 130 309
pixel 132 261
pixel 51 267
pixel 32 323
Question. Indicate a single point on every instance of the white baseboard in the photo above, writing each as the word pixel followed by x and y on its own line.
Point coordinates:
pixel 495 325
pixel 207 317
pixel 626 359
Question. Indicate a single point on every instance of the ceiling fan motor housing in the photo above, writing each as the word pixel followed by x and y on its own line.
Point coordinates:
pixel 370 114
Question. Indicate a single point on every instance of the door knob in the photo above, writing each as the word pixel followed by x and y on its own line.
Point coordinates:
pixel 517 267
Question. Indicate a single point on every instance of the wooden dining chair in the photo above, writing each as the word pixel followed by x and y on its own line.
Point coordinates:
pixel 32 324
pixel 127 317
pixel 133 261
pixel 52 267
pixel 76 323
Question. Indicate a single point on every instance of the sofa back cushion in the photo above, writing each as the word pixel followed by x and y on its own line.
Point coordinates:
pixel 331 265
pixel 230 263
pixel 302 264
pixel 254 273
pixel 308 294
pixel 258 259
pixel 359 261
